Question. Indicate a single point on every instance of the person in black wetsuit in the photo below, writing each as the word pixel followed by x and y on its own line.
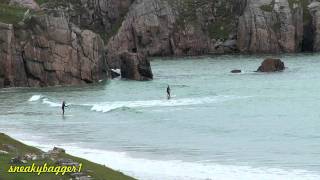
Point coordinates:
pixel 63 107
pixel 168 92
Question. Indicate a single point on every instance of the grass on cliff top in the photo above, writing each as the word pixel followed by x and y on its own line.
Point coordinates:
pixel 267 7
pixel 11 14
pixel 42 1
pixel 99 172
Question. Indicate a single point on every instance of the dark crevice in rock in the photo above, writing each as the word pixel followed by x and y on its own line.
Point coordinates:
pixel 25 65
pixel 308 38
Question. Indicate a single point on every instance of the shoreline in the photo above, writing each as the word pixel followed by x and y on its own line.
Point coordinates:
pixel 147 169
pixel 14 153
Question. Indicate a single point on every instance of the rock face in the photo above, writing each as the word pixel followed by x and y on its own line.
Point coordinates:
pixel 180 27
pixel 271 65
pixel 115 73
pixel 12 72
pixel 101 16
pixel 314 8
pixel 146 29
pixel 30 4
pixel 176 27
pixel 48 51
pixel 270 27
pixel 135 66
pixel 56 50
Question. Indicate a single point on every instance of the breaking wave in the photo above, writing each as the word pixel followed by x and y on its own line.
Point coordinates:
pixel 115 105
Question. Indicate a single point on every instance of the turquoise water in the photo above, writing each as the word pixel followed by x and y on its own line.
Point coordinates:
pixel 218 125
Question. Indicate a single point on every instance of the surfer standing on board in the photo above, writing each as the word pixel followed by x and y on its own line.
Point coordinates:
pixel 168 92
pixel 63 106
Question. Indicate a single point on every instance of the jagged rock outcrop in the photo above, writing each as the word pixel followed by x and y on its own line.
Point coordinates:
pixel 176 27
pixel 135 66
pixel 146 29
pixel 12 72
pixel 30 4
pixel 180 27
pixel 115 73
pixel 149 28
pixel 314 9
pixel 101 16
pixel 270 26
pixel 48 51
pixel 271 65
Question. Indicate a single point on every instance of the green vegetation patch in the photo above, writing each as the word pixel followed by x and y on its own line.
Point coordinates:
pixel 220 29
pixel 11 14
pixel 42 1
pixel 96 171
pixel 267 7
pixel 187 10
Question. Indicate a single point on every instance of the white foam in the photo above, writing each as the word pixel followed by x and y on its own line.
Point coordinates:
pixel 35 98
pixel 50 103
pixel 112 105
pixel 108 106
pixel 148 169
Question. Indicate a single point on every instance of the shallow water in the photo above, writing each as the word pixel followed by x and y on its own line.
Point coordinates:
pixel 218 125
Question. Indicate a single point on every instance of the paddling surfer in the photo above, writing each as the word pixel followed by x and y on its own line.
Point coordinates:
pixel 63 106
pixel 168 92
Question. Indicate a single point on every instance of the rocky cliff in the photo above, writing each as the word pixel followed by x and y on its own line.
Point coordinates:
pixel 49 51
pixel 150 28
pixel 191 27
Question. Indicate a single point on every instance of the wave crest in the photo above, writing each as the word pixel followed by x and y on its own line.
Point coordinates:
pixel 125 105
pixel 35 98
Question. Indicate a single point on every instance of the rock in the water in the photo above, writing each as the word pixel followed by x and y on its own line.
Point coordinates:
pixel 115 73
pixel 236 71
pixel 271 65
pixel 135 66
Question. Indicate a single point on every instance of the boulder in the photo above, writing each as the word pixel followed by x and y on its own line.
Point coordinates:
pixel 30 157
pixel 115 73
pixel 271 65
pixel 58 150
pixel 17 160
pixel 135 66
pixel 236 71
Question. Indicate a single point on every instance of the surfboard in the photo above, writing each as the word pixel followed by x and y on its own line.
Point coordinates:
pixel 66 115
pixel 171 97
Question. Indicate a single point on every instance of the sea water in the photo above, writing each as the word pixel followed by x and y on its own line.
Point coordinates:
pixel 218 125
